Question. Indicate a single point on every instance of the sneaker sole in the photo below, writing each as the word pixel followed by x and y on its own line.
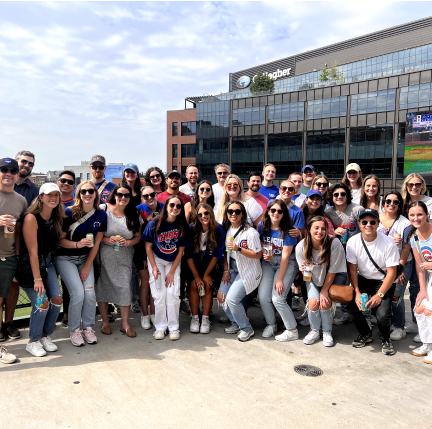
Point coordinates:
pixel 146 328
pixel 194 332
pixel 77 345
pixel 286 340
pixel 14 338
pixel 201 332
pixel 90 342
pixel 388 353
pixel 310 342
pixel 418 354
pixel 427 361
pixel 232 332
pixel 8 361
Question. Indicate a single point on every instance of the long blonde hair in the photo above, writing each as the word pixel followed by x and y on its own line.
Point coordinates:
pixel 77 208
pixel 225 197
pixel 404 191
pixel 57 215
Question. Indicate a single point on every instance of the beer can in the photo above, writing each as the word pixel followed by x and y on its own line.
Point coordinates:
pixel 229 239
pixel 90 237
pixel 201 290
pixel 364 299
pixel 117 245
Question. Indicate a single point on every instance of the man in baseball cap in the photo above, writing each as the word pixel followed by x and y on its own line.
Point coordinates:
pixel 308 173
pixel 173 182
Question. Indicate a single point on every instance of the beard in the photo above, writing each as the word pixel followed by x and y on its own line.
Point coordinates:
pixel 24 173
pixel 255 188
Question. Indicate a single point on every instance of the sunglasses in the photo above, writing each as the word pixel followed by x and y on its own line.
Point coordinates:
pixel 321 184
pixel 6 170
pixel 205 189
pixel 121 195
pixel 155 176
pixel 87 191
pixel 69 182
pixel 417 185
pixel 287 188
pixel 177 206
pixel 97 167
pixel 342 194
pixel 30 164
pixel 206 213
pixel 232 211
pixel 365 222
pixel 232 186
pixel 395 202
pixel 276 210
pixel 147 196
pixel 222 173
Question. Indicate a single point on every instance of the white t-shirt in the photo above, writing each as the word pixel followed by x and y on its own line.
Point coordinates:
pixel 217 192
pixel 300 200
pixel 188 190
pixel 356 194
pixel 383 251
pixel 253 210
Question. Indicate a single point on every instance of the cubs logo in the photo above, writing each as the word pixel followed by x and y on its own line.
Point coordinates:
pixel 427 253
pixel 168 241
pixel 105 195
pixel 243 244
pixel 351 225
pixel 96 224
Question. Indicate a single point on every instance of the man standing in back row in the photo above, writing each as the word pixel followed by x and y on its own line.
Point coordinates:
pixel 222 171
pixel 173 183
pixel 254 184
pixel 192 175
pixel 267 189
pixel 309 174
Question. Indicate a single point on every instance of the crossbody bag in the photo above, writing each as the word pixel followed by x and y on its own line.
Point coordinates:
pixel 76 224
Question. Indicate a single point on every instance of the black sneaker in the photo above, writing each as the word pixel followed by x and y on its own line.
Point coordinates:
pixel 10 331
pixel 387 348
pixel 184 308
pixel 64 322
pixel 361 340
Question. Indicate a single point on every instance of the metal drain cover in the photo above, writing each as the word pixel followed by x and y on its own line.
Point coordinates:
pixel 308 370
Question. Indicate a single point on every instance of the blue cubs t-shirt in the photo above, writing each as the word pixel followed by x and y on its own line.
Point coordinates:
pixel 103 198
pixel 96 223
pixel 271 192
pixel 425 247
pixel 275 238
pixel 167 241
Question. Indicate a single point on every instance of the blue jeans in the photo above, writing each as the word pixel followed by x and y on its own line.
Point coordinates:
pixel 42 322
pixel 268 295
pixel 323 318
pixel 236 293
pixel 82 295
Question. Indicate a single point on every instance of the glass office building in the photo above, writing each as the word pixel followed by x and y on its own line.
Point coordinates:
pixel 360 117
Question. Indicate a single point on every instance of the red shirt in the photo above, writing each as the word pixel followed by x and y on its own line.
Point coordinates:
pixel 261 200
pixel 165 195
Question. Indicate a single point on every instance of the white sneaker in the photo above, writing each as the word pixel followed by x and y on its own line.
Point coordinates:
pixel 194 324
pixel 152 318
pixel 417 339
pixel 205 326
pixel 159 335
pixel 343 318
pixel 428 358
pixel 145 322
pixel 327 339
pixel 303 320
pixel 232 329
pixel 295 305
pixel 287 335
pixel 48 345
pixel 411 328
pixel 35 348
pixel 423 350
pixel 311 337
pixel 245 336
pixel 397 334
pixel 174 335
pixel 269 331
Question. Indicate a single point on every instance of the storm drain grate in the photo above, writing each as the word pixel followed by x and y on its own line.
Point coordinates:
pixel 308 370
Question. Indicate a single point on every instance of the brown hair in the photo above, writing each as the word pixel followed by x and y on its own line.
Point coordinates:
pixel 57 215
pixel 196 230
pixel 363 197
pixel 325 245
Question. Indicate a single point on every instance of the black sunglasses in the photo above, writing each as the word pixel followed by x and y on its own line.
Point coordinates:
pixel 205 189
pixel 6 170
pixel 121 195
pixel 365 222
pixel 69 182
pixel 206 213
pixel 147 196
pixel 97 167
pixel 223 173
pixel 342 194
pixel 287 188
pixel 155 176
pixel 177 206
pixel 321 184
pixel 87 191
pixel 276 210
pixel 237 212
pixel 24 162
pixel 417 185
pixel 395 202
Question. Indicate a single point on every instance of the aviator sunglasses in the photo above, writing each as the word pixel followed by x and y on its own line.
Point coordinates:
pixel 286 188
pixel 342 194
pixel 24 162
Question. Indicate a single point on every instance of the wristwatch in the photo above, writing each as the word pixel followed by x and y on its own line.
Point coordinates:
pixel 381 295
pixel 239 249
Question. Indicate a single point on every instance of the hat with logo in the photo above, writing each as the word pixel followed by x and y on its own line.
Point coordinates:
pixel 9 162
pixel 369 212
pixel 314 192
pixel 174 173
pixel 308 166
pixel 133 167
pixel 353 166
pixel 47 188
pixel 97 158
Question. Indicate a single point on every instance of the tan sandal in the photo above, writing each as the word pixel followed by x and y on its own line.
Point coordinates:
pixel 106 330
pixel 129 332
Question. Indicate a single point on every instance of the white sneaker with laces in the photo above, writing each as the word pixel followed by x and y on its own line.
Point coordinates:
pixel 194 325
pixel 269 331
pixel 417 339
pixel 327 339
pixel 232 329
pixel 174 335
pixel 311 337
pixel 35 348
pixel 397 334
pixel 76 338
pixel 145 322
pixel 159 335
pixel 287 335
pixel 411 328
pixel 205 326
pixel 343 318
pixel 245 336
pixel 423 350
pixel 89 335
pixel 48 345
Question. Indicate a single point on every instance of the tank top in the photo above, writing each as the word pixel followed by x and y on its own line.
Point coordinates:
pixel 47 237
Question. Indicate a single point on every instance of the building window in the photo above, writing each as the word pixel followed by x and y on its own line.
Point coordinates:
pixel 81 175
pixel 327 107
pixel 247 155
pixel 325 150
pixel 88 176
pixel 175 129
pixel 372 147
pixel 174 151
pixel 401 151
pixel 416 96
pixel 371 102
pixel 188 128
pixel 249 116
pixel 188 150
pixel 286 112
pixel 211 115
pixel 285 152
pixel 210 152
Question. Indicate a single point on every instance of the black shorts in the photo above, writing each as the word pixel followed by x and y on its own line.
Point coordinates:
pixel 140 255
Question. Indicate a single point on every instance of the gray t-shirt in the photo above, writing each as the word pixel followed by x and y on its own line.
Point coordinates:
pixel 348 219
pixel 188 190
pixel 11 203
pixel 319 272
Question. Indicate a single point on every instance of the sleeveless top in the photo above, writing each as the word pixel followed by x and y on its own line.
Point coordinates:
pixel 47 237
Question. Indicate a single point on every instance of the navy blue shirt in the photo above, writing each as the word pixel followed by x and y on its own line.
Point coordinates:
pixel 271 192
pixel 144 210
pixel 28 190
pixel 105 193
pixel 274 237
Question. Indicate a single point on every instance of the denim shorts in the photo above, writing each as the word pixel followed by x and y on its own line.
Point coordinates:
pixel 8 267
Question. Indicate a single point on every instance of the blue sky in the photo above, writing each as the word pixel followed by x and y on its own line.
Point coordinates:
pixel 98 77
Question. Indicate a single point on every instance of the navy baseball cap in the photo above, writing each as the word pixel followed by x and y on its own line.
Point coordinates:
pixel 9 162
pixel 369 212
pixel 174 173
pixel 314 192
pixel 308 166
pixel 133 167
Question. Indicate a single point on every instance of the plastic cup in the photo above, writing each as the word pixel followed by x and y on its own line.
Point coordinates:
pixel 9 231
pixel 268 249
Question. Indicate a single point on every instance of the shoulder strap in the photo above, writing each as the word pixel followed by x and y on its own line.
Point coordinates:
pixel 102 187
pixel 75 225
pixel 393 224
pixel 370 257
pixel 238 232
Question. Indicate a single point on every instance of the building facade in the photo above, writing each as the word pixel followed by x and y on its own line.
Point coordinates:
pixel 359 117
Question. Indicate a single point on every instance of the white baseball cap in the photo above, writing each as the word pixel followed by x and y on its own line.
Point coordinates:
pixel 47 188
pixel 353 166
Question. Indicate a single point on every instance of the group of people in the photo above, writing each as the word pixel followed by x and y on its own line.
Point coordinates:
pixel 148 247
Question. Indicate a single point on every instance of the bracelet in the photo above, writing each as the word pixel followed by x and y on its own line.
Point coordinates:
pixel 76 245
pixel 225 272
pixel 38 280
